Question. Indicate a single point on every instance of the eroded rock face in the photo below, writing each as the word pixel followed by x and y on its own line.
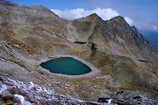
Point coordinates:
pixel 123 57
pixel 28 93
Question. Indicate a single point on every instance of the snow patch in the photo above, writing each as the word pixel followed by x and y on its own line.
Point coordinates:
pixel 109 101
pixel 21 98
pixel 3 88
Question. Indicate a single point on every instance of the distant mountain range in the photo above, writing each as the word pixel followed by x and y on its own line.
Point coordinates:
pixel 152 36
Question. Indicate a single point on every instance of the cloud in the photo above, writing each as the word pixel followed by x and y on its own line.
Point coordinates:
pixel 155 28
pixel 104 13
pixel 129 20
pixel 148 26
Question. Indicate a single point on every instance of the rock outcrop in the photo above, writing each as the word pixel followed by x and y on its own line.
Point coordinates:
pixel 28 93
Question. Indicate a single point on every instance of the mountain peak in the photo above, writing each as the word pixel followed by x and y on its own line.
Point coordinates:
pixel 118 19
pixel 94 16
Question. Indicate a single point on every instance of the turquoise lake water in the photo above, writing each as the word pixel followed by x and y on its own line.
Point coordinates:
pixel 66 65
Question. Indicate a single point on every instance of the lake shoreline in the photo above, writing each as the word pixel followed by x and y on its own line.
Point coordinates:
pixel 94 71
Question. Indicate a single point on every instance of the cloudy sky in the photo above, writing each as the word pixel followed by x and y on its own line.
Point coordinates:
pixel 142 13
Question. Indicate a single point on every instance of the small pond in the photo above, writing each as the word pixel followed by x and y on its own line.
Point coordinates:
pixel 66 65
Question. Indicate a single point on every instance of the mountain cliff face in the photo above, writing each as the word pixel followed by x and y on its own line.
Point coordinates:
pixel 114 35
pixel 125 60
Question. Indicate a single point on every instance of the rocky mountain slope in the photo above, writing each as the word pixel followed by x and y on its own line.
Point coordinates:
pixel 27 93
pixel 124 59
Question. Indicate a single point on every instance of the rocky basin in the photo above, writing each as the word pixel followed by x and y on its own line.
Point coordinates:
pixel 124 66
